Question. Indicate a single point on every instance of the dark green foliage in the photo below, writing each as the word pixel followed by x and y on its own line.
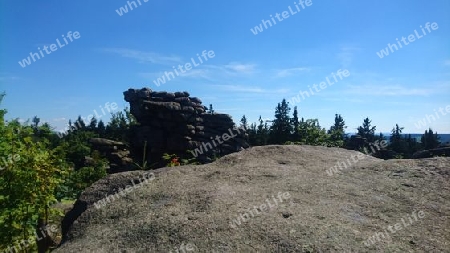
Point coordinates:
pixel 119 127
pixel 79 124
pixel 337 131
pixel 101 129
pixel 244 123
pixel 366 131
pixel 80 179
pixel 281 128
pixel 251 131
pixel 258 135
pixel 397 143
pixel 412 146
pixel 263 132
pixel 76 147
pixel 401 146
pixel 211 110
pixel 93 125
pixel 429 140
pixel 295 125
pixel 364 137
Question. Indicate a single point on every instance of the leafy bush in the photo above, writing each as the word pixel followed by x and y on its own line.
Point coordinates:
pixel 27 182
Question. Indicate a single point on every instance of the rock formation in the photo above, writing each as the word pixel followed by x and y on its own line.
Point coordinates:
pixel 229 205
pixel 116 153
pixel 441 151
pixel 174 123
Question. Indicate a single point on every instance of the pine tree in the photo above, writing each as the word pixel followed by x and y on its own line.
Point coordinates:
pixel 262 135
pixel 244 123
pixel 79 124
pixel 337 132
pixel 252 140
pixel 93 125
pixel 429 140
pixel 295 124
pixel 211 110
pixel 281 128
pixel 397 143
pixel 412 146
pixel 36 122
pixel 101 129
pixel 366 131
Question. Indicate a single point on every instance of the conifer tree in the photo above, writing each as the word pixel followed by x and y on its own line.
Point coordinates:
pixel 366 131
pixel 337 132
pixel 295 125
pixel 397 142
pixel 244 123
pixel 281 128
pixel 429 140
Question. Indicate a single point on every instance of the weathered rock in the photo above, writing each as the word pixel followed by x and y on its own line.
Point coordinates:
pixel 97 142
pixel 443 151
pixel 174 122
pixel 229 205
pixel 115 152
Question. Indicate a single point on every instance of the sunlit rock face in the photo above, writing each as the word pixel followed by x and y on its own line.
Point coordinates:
pixel 177 123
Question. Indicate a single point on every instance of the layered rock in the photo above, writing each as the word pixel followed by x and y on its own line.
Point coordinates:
pixel 175 123
pixel 115 152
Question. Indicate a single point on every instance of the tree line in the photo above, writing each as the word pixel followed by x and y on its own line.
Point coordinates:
pixel 287 129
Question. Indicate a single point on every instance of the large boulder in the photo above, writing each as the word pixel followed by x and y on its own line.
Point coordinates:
pixel 271 199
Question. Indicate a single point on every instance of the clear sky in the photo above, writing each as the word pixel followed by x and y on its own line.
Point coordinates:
pixel 249 73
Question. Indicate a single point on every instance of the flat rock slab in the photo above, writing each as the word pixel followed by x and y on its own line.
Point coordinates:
pixel 272 199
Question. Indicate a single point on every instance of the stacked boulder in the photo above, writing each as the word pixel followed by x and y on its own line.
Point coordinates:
pixel 176 123
pixel 115 152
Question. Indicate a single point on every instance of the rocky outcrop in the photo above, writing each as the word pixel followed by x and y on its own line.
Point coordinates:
pixel 115 152
pixel 442 151
pixel 176 122
pixel 270 199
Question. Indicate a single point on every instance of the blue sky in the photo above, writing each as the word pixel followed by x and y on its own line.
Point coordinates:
pixel 249 74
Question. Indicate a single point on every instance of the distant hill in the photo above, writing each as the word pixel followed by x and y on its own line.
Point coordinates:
pixel 444 138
